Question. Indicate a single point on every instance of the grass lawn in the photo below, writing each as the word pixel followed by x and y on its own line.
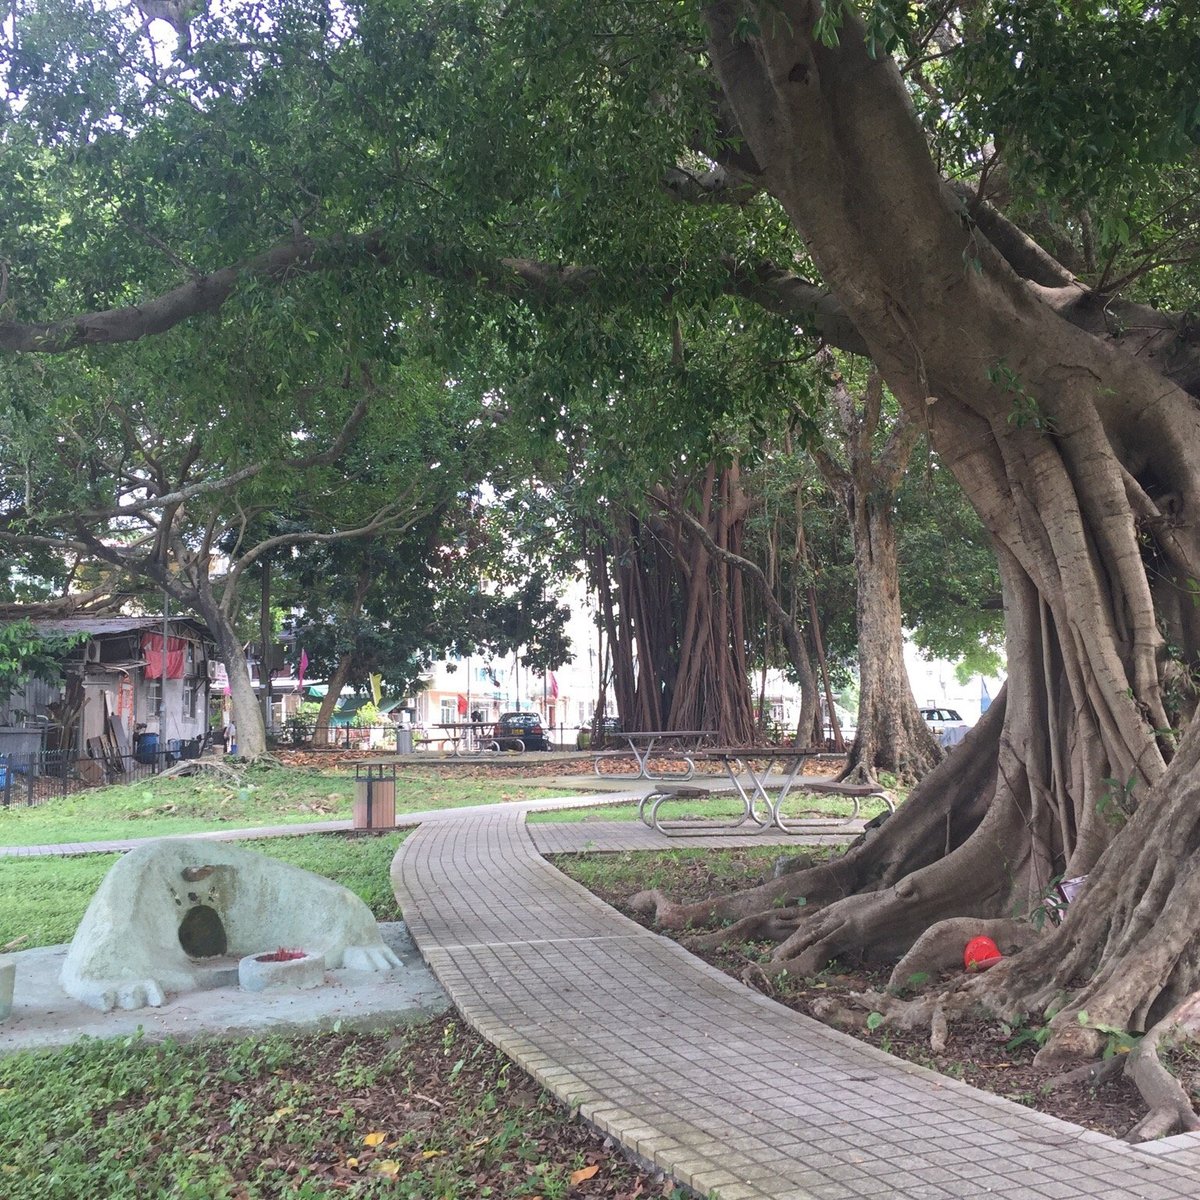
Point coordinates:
pixel 44 898
pixel 428 1113
pixel 267 795
pixel 692 874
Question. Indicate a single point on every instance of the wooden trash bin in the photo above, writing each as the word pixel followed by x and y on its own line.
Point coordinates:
pixel 374 796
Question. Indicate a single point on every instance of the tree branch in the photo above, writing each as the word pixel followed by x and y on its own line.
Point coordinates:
pixel 1169 342
pixel 388 517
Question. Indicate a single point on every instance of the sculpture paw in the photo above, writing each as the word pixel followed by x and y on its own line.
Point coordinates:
pixel 138 993
pixel 369 958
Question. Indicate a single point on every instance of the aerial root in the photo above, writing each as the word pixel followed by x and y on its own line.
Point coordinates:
pixel 646 903
pixel 1168 1101
pixel 767 898
pixel 772 926
pixel 939 1030
pixel 1091 1074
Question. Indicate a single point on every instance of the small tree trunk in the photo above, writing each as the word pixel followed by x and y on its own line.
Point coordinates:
pixel 322 735
pixel 247 715
pixel 891 733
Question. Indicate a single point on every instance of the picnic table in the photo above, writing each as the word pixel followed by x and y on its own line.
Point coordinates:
pixel 749 770
pixel 641 746
pixel 472 737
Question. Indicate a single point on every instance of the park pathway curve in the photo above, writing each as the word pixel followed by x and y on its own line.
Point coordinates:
pixel 717 1085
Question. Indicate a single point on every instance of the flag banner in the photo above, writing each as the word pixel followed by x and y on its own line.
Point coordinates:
pixel 376 688
pixel 553 686
pixel 462 705
pixel 301 669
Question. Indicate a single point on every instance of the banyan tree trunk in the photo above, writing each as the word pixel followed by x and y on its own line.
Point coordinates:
pixel 1083 461
pixel 675 615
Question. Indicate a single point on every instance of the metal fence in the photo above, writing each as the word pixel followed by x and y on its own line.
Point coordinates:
pixel 27 780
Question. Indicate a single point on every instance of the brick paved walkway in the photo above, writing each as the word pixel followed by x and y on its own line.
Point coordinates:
pixel 714 1083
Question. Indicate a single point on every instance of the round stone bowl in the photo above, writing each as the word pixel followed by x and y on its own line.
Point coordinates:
pixel 257 972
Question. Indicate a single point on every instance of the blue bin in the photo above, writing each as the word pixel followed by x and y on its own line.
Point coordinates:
pixel 145 748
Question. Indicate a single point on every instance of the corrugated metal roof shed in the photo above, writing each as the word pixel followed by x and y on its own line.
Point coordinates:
pixel 58 626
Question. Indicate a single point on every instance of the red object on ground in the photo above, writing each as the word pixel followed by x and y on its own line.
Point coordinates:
pixel 280 955
pixel 981 953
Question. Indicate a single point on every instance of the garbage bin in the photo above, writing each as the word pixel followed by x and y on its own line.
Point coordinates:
pixel 374 796
pixel 145 748
pixel 404 741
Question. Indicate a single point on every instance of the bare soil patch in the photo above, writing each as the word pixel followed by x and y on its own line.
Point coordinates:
pixel 984 1053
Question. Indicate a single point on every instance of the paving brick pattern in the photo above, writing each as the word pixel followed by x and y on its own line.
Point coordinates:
pixel 714 1083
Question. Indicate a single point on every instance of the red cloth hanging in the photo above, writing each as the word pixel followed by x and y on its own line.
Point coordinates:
pixel 152 653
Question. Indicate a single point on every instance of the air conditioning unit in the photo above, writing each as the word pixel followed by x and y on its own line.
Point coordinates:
pixel 213 667
pixel 91 652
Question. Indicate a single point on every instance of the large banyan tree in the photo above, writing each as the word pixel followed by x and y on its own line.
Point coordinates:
pixel 1069 416
pixel 999 199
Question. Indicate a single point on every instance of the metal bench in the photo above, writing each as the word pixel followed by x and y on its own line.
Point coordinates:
pixel 662 793
pixel 852 791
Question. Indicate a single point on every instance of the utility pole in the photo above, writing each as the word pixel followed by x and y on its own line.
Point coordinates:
pixel 265 631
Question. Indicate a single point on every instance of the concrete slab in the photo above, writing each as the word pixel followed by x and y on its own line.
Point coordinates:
pixel 45 1016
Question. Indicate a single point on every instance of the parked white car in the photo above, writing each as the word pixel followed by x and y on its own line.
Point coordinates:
pixel 946 724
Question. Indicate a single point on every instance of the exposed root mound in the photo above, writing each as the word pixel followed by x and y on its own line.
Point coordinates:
pixel 743 912
pixel 207 766
pixel 774 926
pixel 1170 1105
pixel 941 815
pixel 940 947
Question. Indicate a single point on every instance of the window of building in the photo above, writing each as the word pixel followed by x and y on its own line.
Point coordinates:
pixel 449 710
pixel 191 698
pixel 154 697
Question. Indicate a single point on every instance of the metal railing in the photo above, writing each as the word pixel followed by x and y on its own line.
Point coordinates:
pixel 27 780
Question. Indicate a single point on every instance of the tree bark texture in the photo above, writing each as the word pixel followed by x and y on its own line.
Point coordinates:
pixel 1084 463
pixel 891 736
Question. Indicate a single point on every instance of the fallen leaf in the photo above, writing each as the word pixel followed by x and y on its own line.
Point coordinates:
pixel 583 1173
pixel 432 1153
pixel 373 1139
pixel 389 1167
